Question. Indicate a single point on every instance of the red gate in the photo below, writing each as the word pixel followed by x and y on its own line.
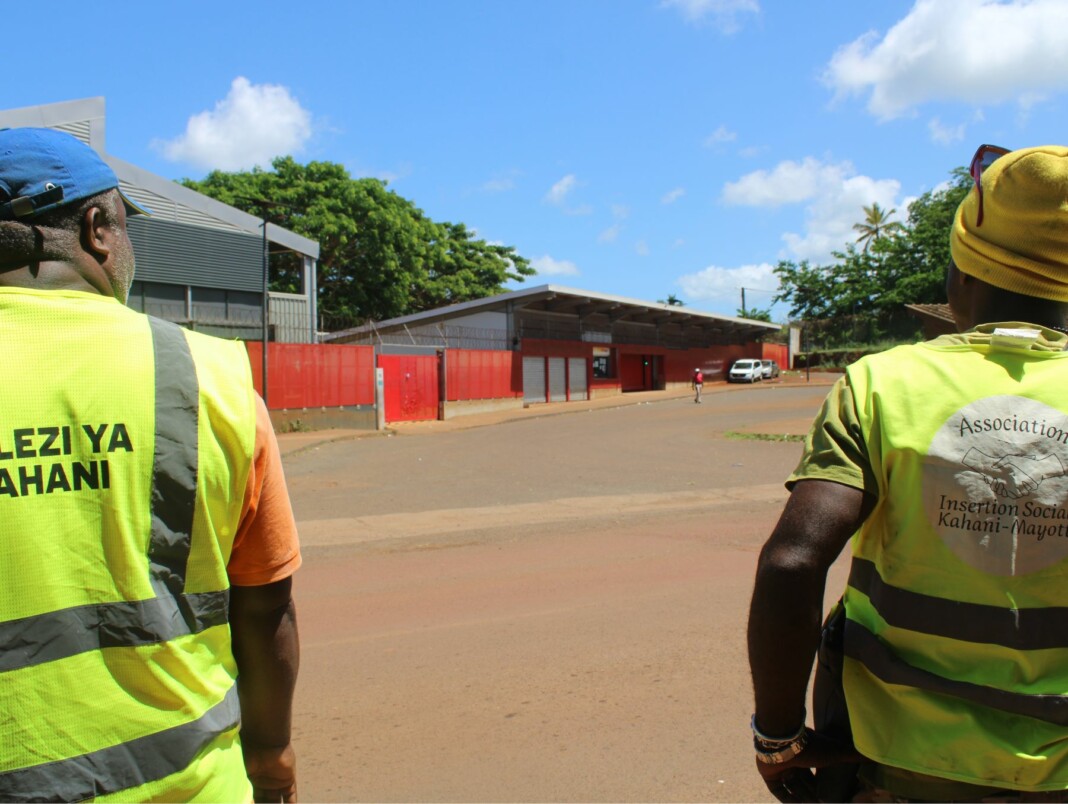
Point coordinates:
pixel 410 386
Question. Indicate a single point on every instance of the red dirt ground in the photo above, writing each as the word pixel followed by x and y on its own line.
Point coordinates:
pixel 547 609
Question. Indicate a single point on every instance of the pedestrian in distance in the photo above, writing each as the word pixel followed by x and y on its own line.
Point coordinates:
pixel 148 643
pixel 942 673
pixel 698 382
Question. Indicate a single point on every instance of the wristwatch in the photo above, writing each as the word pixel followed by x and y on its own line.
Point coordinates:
pixel 776 750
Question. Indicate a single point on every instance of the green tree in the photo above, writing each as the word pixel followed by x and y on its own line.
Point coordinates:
pixel 672 301
pixel 898 264
pixel 915 264
pixel 876 224
pixel 380 255
pixel 754 314
pixel 808 289
pixel 848 287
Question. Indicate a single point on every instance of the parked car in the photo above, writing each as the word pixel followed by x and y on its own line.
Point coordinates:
pixel 770 369
pixel 746 370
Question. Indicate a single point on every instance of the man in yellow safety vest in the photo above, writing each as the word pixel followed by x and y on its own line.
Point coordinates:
pixel 946 465
pixel 148 643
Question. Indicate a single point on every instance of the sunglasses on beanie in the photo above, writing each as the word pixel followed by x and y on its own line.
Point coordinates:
pixel 984 157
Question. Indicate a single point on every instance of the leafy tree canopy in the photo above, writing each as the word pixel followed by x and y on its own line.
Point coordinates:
pixel 897 265
pixel 754 314
pixel 876 224
pixel 380 255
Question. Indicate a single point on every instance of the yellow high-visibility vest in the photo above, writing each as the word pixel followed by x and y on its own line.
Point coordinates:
pixel 956 637
pixel 125 448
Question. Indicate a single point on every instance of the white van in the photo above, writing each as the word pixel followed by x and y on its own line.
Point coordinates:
pixel 746 370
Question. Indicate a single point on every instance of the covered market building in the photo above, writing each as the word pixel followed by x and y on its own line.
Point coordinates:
pixel 549 344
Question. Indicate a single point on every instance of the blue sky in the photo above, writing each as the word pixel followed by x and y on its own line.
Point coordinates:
pixel 631 147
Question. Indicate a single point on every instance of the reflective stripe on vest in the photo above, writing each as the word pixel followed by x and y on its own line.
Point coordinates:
pixel 174 472
pixel 1019 629
pixel 56 635
pixel 121 767
pixel 862 645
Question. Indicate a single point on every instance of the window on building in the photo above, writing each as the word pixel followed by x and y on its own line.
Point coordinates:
pixel 602 364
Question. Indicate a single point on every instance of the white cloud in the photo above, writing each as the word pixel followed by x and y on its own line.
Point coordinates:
pixel 971 51
pixel 620 211
pixel 830 217
pixel 559 191
pixel 252 125
pixel 789 183
pixel 834 197
pixel 723 13
pixel 719 136
pixel 673 195
pixel 547 266
pixel 945 135
pixel 716 284
pixel 610 234
pixel 641 248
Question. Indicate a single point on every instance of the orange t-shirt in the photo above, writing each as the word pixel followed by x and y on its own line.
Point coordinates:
pixel 266 547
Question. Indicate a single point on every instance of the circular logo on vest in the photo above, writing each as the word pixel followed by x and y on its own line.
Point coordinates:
pixel 995 484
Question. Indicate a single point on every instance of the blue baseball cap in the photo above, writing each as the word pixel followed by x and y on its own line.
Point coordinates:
pixel 42 169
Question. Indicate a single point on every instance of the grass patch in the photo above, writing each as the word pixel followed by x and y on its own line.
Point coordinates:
pixel 295 426
pixel 734 434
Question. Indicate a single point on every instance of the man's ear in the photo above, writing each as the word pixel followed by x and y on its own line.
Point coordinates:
pixel 97 234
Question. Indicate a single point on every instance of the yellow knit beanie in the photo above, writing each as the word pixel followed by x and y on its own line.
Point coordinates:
pixel 1022 245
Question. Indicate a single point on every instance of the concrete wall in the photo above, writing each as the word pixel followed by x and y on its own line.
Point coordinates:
pixel 471 406
pixel 358 417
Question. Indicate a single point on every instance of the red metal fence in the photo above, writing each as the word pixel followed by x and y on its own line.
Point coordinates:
pixel 314 375
pixel 779 352
pixel 411 387
pixel 481 374
pixel 305 376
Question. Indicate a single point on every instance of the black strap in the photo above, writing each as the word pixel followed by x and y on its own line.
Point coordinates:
pixel 24 206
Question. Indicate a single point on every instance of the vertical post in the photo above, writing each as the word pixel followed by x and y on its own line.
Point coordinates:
pixel 380 399
pixel 266 306
pixel 743 302
pixel 311 272
pixel 443 383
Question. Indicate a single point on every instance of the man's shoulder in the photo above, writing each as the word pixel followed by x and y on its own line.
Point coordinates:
pixel 924 350
pixel 192 334
pixel 208 349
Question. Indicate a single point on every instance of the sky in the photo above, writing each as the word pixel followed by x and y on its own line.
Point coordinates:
pixel 639 148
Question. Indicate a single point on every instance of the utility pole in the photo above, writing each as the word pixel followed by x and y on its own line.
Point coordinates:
pixel 743 302
pixel 263 205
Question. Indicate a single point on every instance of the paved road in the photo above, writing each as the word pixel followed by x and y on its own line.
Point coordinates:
pixel 548 609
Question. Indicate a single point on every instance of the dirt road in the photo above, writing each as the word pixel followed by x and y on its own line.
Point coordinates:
pixel 542 610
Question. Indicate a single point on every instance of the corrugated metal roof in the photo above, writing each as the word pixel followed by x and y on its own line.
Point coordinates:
pixel 939 311
pixel 581 303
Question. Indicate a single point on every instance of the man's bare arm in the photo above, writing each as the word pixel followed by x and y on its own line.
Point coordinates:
pixel 785 619
pixel 787 607
pixel 263 620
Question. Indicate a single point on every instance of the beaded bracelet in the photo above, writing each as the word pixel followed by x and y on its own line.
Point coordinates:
pixel 773 743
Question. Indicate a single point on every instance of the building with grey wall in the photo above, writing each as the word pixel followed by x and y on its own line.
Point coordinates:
pixel 200 262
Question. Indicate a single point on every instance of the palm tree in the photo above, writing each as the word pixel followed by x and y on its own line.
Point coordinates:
pixel 672 301
pixel 876 224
